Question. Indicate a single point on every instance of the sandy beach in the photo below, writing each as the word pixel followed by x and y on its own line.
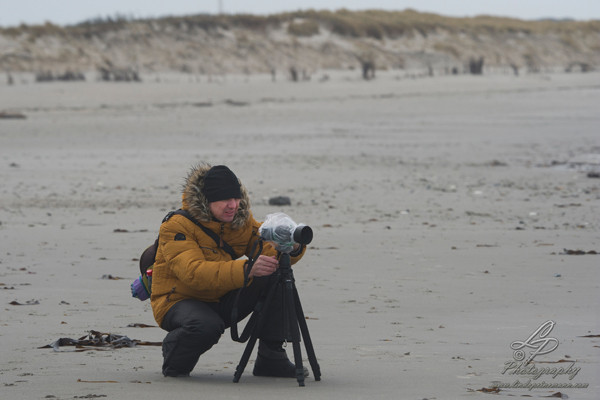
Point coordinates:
pixel 453 216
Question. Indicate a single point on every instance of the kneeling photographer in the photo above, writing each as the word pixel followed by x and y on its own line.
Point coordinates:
pixel 198 273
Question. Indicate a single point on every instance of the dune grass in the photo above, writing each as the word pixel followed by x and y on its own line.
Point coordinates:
pixel 375 24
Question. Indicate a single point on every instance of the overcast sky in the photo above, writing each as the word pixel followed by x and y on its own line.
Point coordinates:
pixel 62 12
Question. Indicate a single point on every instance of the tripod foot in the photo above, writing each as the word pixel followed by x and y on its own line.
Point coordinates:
pixel 300 376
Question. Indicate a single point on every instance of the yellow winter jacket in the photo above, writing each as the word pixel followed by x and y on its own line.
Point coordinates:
pixel 189 263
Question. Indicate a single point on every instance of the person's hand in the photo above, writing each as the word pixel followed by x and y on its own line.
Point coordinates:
pixel 264 266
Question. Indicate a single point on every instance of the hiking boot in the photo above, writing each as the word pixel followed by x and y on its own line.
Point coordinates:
pixel 273 361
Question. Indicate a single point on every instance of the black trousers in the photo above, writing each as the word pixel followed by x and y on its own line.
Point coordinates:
pixel 195 326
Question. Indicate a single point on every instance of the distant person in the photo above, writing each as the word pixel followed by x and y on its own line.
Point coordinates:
pixel 195 280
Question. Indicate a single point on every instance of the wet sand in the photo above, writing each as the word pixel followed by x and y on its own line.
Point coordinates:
pixel 444 212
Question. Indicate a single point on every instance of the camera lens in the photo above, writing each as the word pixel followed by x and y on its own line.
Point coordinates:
pixel 303 234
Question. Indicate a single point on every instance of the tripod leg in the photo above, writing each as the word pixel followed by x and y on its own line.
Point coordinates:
pixel 260 320
pixel 298 361
pixel 312 358
pixel 295 332
pixel 239 370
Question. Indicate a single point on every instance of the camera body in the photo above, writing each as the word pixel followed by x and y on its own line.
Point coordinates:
pixel 282 231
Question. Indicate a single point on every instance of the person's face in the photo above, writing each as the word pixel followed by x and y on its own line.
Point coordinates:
pixel 224 210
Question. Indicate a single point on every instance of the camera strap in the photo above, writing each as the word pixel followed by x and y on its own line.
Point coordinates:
pixel 218 240
pixel 254 253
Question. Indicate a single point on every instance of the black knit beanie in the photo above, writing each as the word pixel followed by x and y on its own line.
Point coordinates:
pixel 220 183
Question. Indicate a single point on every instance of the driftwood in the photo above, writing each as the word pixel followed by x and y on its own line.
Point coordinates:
pixel 293 74
pixel 118 74
pixel 367 65
pixel 583 67
pixel 296 76
pixel 68 75
pixel 368 69
pixel 9 115
pixel 476 66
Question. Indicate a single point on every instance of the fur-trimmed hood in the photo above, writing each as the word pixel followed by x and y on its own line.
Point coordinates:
pixel 196 203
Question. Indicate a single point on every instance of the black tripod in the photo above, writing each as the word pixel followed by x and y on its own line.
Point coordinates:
pixel 294 323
